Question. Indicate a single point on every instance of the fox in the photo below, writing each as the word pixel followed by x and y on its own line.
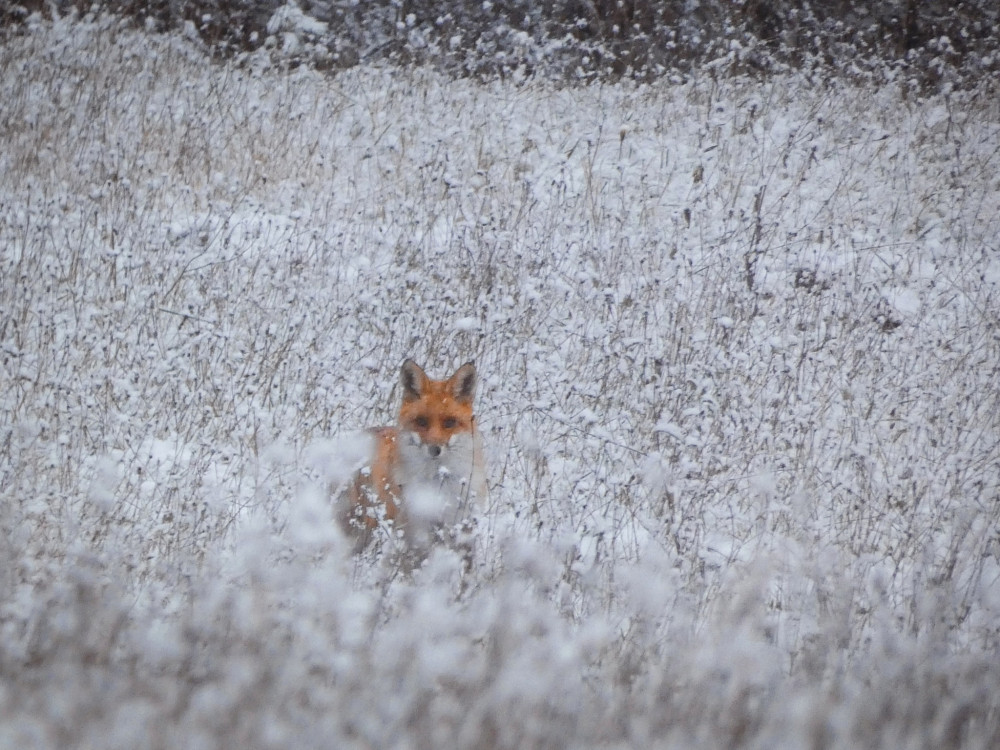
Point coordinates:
pixel 428 469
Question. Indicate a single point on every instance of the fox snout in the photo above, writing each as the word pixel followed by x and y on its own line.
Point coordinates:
pixel 431 450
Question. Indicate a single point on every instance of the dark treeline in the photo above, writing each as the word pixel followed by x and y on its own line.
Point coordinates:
pixel 931 43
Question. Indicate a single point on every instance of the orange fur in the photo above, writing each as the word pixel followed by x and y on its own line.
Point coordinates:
pixel 435 444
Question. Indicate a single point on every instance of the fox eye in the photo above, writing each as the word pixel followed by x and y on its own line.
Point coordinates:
pixel 449 423
pixel 422 422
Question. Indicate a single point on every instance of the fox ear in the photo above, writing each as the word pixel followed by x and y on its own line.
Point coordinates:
pixel 463 383
pixel 413 380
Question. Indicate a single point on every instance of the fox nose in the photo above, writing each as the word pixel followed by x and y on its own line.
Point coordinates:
pixel 434 450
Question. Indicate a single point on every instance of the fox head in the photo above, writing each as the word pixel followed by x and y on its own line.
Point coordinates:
pixel 436 411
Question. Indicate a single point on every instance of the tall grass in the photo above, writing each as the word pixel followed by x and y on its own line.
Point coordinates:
pixel 738 346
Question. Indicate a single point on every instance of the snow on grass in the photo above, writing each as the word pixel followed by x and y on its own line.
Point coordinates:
pixel 738 344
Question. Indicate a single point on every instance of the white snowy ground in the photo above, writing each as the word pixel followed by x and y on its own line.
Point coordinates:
pixel 740 357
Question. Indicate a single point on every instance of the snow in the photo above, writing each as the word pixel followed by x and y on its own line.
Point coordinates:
pixel 738 355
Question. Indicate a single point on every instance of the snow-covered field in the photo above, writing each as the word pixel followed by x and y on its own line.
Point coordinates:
pixel 739 346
